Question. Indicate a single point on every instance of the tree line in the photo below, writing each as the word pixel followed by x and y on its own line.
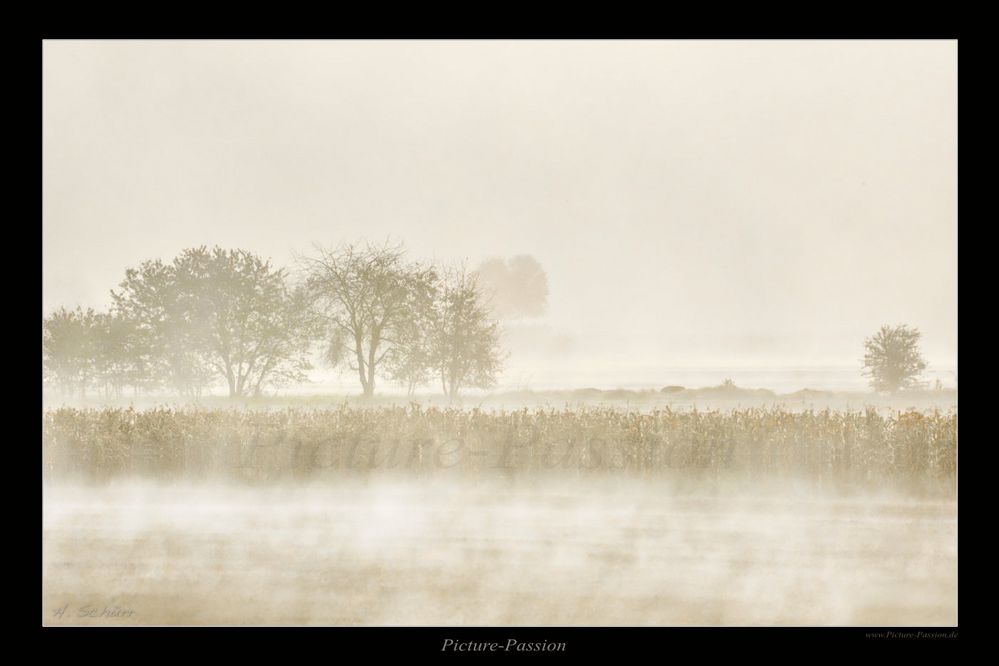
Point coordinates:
pixel 227 317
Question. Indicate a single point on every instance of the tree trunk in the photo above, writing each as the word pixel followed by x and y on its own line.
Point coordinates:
pixel 372 348
pixel 361 374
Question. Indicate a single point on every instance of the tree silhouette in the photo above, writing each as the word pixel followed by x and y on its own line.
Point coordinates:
pixel 216 314
pixel 365 298
pixel 465 340
pixel 892 359
pixel 514 288
pixel 68 349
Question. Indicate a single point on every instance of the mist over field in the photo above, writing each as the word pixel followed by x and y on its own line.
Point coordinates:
pixel 497 333
pixel 549 552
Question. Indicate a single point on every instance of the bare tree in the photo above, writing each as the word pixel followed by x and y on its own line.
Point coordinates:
pixel 465 340
pixel 892 359
pixel 365 298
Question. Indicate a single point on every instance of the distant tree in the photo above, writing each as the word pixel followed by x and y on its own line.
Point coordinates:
pixel 892 360
pixel 85 348
pixel 68 350
pixel 514 288
pixel 114 355
pixel 464 339
pixel 219 315
pixel 366 300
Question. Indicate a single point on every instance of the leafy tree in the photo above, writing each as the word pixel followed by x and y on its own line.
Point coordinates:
pixel 116 363
pixel 465 341
pixel 246 322
pixel 219 315
pixel 68 350
pixel 892 359
pixel 410 360
pixel 165 354
pixel 85 348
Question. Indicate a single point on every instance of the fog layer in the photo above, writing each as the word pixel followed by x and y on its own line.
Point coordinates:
pixel 692 203
pixel 542 552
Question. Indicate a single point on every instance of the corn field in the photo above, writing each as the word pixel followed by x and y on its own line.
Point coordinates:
pixel 909 448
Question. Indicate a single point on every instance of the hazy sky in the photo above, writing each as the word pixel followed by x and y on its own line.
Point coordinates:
pixel 693 202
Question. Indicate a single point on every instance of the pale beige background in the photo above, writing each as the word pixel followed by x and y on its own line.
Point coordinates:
pixel 764 203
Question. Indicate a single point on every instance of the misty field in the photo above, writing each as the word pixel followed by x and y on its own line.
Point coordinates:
pixel 415 516
pixel 607 552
